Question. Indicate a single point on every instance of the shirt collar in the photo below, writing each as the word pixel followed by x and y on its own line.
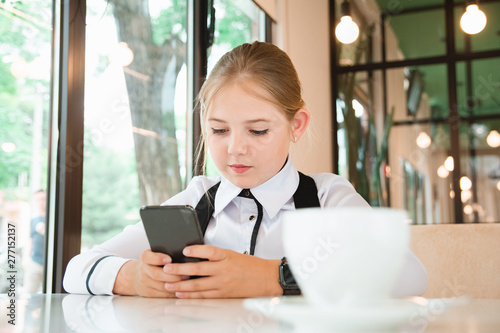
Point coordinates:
pixel 272 194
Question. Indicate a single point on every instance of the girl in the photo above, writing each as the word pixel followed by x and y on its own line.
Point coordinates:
pixel 251 111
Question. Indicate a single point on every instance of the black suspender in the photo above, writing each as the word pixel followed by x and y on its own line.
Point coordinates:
pixel 305 196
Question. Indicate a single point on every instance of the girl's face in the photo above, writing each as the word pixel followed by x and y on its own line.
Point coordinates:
pixel 248 138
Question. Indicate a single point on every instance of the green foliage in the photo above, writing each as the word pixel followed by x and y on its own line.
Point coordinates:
pixel 7 82
pixel 21 38
pixel 110 193
pixel 15 127
pixel 232 27
pixel 171 21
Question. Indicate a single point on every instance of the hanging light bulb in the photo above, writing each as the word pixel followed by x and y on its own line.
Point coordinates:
pixel 465 183
pixel 449 163
pixel 442 172
pixel 423 140
pixel 347 30
pixel 493 139
pixel 473 20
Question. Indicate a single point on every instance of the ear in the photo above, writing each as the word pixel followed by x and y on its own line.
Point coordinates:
pixel 299 123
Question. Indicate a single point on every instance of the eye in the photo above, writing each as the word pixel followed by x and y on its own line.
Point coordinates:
pixel 218 131
pixel 255 132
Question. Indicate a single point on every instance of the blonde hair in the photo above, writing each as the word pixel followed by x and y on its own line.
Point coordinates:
pixel 266 66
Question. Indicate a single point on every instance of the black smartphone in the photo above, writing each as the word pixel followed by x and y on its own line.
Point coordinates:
pixel 170 229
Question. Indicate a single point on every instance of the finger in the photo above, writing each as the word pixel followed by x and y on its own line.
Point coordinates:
pixel 202 268
pixel 192 285
pixel 155 258
pixel 152 288
pixel 156 273
pixel 156 288
pixel 209 252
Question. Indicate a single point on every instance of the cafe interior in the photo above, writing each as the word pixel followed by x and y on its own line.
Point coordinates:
pixel 98 113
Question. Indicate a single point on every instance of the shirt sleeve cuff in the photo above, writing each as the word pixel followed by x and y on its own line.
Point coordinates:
pixel 101 279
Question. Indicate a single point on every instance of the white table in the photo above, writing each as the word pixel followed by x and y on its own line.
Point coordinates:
pixel 82 313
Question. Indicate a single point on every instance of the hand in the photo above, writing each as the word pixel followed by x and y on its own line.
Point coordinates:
pixel 146 277
pixel 225 274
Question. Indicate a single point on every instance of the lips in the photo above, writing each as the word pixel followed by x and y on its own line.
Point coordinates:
pixel 240 168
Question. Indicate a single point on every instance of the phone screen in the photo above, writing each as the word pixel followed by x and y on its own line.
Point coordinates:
pixel 170 229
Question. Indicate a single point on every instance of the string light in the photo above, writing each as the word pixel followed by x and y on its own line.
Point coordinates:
pixel 122 55
pixel 423 140
pixel 442 172
pixel 347 30
pixel 449 164
pixel 493 139
pixel 465 183
pixel 8 147
pixel 19 69
pixel 473 20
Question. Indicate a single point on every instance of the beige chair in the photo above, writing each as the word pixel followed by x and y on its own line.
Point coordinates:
pixel 461 259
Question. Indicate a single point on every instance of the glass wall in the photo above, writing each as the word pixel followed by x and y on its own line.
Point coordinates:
pixel 419 130
pixel 135 111
pixel 137 122
pixel 138 125
pixel 25 62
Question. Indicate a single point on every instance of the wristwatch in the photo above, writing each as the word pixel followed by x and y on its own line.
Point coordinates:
pixel 287 281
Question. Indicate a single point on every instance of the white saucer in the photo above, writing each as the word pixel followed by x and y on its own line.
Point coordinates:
pixel 387 316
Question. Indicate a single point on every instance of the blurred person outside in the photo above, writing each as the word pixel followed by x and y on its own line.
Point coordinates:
pixel 35 264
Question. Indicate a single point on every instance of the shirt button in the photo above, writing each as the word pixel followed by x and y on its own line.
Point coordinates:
pixel 251 218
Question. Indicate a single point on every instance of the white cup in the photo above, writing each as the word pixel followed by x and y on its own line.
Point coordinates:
pixel 346 256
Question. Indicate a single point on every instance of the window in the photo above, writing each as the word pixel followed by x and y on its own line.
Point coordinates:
pixel 25 62
pixel 136 124
pixel 433 108
pixel 135 112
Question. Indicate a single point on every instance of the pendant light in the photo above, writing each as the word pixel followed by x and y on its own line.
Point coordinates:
pixel 473 20
pixel 347 30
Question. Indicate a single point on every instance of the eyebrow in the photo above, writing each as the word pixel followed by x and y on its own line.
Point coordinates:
pixel 251 121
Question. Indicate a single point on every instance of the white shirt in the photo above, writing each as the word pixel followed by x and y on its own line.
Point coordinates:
pixel 230 227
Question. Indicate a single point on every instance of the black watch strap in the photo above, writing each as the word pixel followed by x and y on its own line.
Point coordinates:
pixel 287 281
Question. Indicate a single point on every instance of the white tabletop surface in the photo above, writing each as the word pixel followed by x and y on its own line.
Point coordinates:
pixel 83 313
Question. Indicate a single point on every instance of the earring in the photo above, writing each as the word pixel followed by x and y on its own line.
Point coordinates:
pixel 295 139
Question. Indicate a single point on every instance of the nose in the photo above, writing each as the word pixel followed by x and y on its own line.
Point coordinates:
pixel 237 144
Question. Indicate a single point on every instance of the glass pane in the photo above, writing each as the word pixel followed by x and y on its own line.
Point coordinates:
pixel 421 173
pixel 480 167
pixel 418 93
pixel 236 22
pixel 416 151
pixel 135 111
pixel 25 54
pixel 486 40
pixel 416 35
pixel 366 48
pixel 478 87
pixel 361 120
